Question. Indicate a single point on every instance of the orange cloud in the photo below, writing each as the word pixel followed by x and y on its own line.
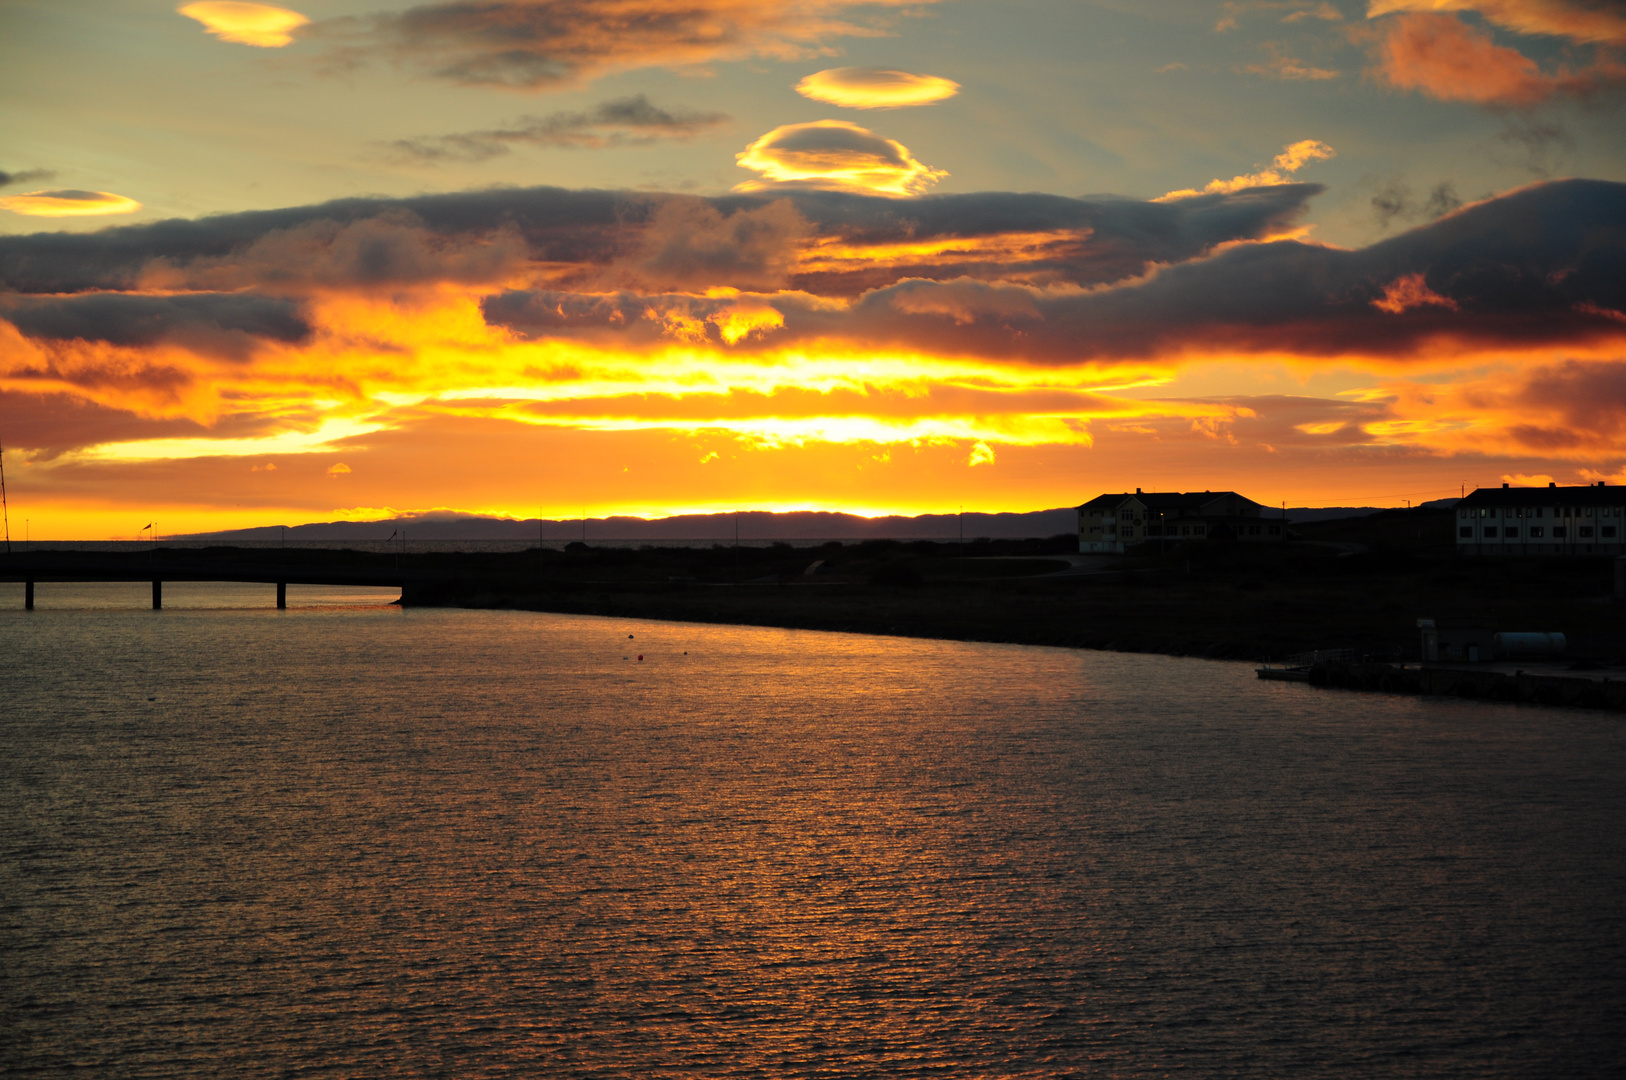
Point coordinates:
pixel 1292 158
pixel 1288 68
pixel 1445 58
pixel 875 88
pixel 1581 22
pixel 533 44
pixel 834 155
pixel 1405 293
pixel 1295 11
pixel 261 25
pixel 68 203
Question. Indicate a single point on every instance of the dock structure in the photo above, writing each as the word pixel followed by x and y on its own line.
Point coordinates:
pixel 1535 684
pixel 175 566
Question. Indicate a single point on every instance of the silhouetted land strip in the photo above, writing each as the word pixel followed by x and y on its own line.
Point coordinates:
pixel 1357 584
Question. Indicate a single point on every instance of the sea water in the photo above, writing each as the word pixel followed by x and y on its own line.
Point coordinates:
pixel 347 839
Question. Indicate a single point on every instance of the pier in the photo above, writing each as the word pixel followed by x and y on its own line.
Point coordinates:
pixel 239 567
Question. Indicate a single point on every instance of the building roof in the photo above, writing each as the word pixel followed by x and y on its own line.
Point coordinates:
pixel 1552 495
pixel 1164 500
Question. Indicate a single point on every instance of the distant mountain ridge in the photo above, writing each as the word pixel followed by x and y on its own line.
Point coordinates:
pixel 753 525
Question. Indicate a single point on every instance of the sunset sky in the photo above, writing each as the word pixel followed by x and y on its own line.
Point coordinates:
pixel 347 258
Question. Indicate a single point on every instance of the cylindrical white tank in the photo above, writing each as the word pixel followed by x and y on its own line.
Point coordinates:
pixel 1528 644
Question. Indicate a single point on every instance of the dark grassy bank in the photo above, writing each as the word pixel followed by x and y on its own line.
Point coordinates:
pixel 1356 583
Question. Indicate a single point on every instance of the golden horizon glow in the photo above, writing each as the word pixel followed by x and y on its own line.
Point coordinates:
pixel 261 25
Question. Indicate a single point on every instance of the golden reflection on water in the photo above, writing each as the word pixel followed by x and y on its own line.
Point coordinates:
pixel 334 841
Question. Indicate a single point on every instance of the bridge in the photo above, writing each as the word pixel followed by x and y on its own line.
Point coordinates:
pixel 237 566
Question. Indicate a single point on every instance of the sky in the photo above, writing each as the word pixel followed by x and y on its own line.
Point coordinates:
pixel 268 264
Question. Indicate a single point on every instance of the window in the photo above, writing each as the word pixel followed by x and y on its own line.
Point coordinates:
pixel 1560 531
pixel 1586 531
pixel 1537 532
pixel 1511 532
pixel 1608 532
pixel 1466 532
pixel 1462 513
pixel 1275 530
pixel 1490 532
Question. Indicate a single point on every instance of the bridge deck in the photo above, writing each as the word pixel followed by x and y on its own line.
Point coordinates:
pixel 61 568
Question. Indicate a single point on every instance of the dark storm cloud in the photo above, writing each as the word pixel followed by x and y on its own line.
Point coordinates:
pixel 555 224
pixel 462 236
pixel 27 176
pixel 622 122
pixel 209 322
pixel 1546 264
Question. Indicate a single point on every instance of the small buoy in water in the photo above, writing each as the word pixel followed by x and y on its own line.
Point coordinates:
pixel 640 657
pixel 629 637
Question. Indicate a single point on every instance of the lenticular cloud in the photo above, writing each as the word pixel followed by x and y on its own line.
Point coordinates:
pixel 875 88
pixel 834 155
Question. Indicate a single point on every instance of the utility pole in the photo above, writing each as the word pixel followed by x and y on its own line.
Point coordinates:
pixel 5 506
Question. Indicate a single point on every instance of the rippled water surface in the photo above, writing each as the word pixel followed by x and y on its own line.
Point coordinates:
pixel 346 839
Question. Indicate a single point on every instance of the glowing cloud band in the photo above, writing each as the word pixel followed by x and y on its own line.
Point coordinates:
pixel 261 25
pixel 875 88
pixel 834 155
pixel 68 203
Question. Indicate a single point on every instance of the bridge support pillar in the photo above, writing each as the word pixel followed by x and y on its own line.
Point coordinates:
pixel 282 596
pixel 157 595
pixel 28 596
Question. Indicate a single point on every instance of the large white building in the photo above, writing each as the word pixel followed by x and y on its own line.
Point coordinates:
pixel 1112 522
pixel 1542 521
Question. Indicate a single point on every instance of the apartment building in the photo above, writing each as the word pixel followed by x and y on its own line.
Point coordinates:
pixel 1542 521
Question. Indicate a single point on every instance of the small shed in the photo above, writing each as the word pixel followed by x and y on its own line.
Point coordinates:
pixel 1459 641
